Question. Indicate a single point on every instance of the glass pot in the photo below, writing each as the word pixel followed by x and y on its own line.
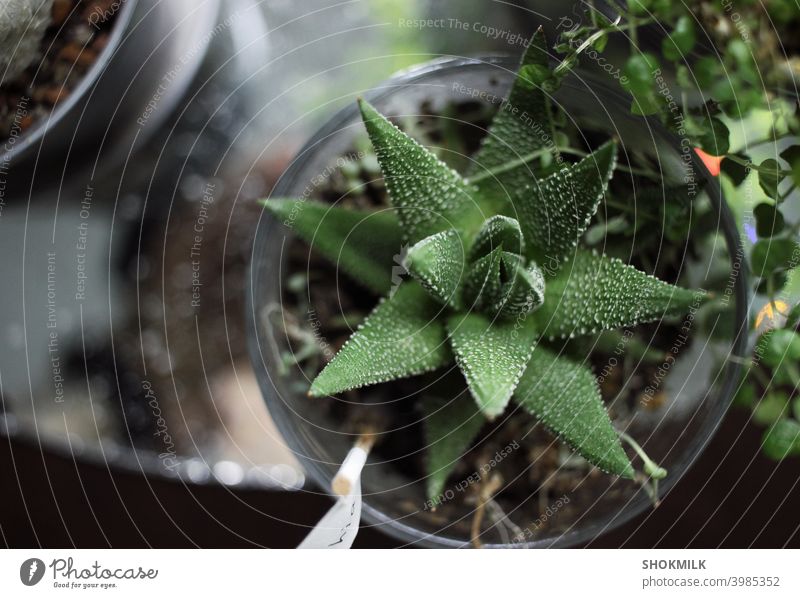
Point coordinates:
pixel 698 389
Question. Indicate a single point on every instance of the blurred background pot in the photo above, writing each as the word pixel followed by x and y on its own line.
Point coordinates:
pixel 697 391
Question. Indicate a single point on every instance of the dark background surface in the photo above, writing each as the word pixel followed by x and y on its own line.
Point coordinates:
pixel 733 497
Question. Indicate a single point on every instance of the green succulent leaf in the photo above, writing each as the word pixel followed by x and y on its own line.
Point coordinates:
pixel 482 284
pixel 428 195
pixel 437 262
pixel 402 337
pixel 593 292
pixel 450 428
pixel 522 291
pixel 555 212
pixel 564 396
pixel 496 231
pixel 520 128
pixel 364 244
pixel 492 355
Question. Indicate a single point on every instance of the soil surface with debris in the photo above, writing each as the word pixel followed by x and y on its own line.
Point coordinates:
pixel 71 44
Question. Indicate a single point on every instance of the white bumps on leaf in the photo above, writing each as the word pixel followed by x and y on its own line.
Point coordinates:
pixel 402 337
pixel 428 195
pixel 492 355
pixel 555 211
pixel 565 397
pixel 593 292
pixel 437 262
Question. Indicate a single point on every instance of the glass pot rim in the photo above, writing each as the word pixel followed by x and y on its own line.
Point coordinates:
pixel 720 397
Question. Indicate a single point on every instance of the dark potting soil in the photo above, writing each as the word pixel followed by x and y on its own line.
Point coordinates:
pixel 70 46
pixel 544 488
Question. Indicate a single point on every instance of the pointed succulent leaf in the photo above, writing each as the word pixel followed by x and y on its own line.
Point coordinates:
pixel 555 211
pixel 364 244
pixel 523 290
pixel 482 285
pixel 400 338
pixel 428 195
pixel 497 230
pixel 520 128
pixel 593 292
pixel 450 428
pixel 437 262
pixel 492 355
pixel 565 397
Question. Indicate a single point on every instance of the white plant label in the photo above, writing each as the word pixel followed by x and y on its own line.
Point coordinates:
pixel 339 526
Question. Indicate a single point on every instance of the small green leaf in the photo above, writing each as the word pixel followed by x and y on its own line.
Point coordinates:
pixel 564 396
pixel 775 346
pixel 638 71
pixel 492 356
pixel 678 44
pixel 450 428
pixel 771 408
pixel 782 439
pixel 769 220
pixel 400 338
pixel 713 136
pixel 437 262
pixel 770 255
pixel 556 211
pixel 769 177
pixel 736 172
pixel 592 292
pixel 364 244
pixel 792 156
pixel 428 195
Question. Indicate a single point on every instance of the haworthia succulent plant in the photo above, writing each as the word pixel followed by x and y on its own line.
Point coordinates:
pixel 475 293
